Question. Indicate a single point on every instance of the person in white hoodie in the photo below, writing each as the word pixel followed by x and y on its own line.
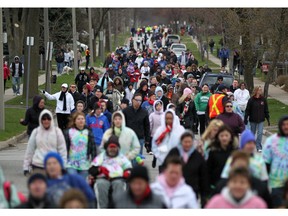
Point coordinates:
pixel 166 137
pixel 241 96
pixel 64 107
pixel 45 138
pixel 129 92
pixel 171 187
pixel 128 140
pixel 139 60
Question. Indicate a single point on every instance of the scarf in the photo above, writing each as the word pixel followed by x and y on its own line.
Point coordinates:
pixel 145 195
pixel 185 155
pixel 162 136
pixel 151 102
pixel 63 98
pixel 169 190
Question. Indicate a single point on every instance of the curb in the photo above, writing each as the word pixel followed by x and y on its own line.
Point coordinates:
pixel 12 141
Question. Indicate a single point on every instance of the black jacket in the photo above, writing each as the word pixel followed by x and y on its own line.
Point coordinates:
pixel 165 101
pixel 138 120
pixel 257 110
pixel 189 118
pixel 216 161
pixel 165 81
pixel 81 80
pixel 259 187
pixel 33 204
pixel 76 96
pixel 125 200
pixel 91 148
pixel 86 100
pixel 32 115
pixel 194 173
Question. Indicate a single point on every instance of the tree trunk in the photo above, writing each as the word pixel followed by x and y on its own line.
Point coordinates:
pixel 32 31
pixel 116 28
pixel 277 49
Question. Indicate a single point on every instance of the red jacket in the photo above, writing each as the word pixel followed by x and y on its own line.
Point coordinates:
pixel 6 72
pixel 134 77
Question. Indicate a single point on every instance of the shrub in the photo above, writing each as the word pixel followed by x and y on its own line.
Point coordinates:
pixel 282 79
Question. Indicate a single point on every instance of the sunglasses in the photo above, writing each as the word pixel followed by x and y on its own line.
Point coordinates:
pixel 229 106
pixel 73 86
pixel 44 119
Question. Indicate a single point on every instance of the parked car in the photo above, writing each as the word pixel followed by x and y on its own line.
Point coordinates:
pixel 282 63
pixel 172 39
pixel 211 79
pixel 178 48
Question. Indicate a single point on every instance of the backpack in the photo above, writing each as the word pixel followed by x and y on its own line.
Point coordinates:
pixel 9 192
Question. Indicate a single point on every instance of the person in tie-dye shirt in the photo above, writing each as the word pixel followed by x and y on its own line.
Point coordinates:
pixel 275 154
pixel 81 147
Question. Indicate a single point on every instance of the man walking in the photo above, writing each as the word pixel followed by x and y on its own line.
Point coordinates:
pixel 17 69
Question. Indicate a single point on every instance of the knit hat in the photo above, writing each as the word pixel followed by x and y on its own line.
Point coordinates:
pixel 246 136
pixel 53 155
pixel 99 89
pixel 187 91
pixel 221 87
pixel 139 172
pixel 112 140
pixel 190 76
pixel 88 86
pixel 35 177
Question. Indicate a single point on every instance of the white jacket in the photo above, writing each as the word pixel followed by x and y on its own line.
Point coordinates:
pixel 43 141
pixel 129 94
pixel 242 97
pixel 183 197
pixel 170 141
pixel 59 105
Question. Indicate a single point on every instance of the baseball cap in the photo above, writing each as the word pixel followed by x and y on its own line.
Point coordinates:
pixel 65 85
pixel 221 87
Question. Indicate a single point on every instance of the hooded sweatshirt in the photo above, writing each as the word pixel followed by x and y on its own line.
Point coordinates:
pixel 162 97
pixel 226 201
pixel 43 141
pixel 170 141
pixel 129 143
pixel 180 196
pixel 275 153
pixel 201 102
pixel 155 118
pixel 32 115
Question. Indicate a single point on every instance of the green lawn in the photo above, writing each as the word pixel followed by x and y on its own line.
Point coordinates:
pixel 193 48
pixel 277 109
pixel 12 125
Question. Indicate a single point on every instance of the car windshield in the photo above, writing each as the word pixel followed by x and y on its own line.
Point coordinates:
pixel 173 37
pixel 178 46
pixel 211 80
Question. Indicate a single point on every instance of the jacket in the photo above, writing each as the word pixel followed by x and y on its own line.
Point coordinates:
pixel 86 100
pixel 226 201
pixel 188 118
pixel 216 105
pixel 234 121
pixel 104 81
pixel 257 110
pixel 59 105
pixel 98 125
pixel 129 143
pixel 43 141
pixel 155 119
pixel 170 141
pixel 81 79
pixel 32 115
pixel 242 97
pixel 201 102
pixel 32 203
pixel 116 165
pixel 162 97
pixel 76 96
pixel 6 71
pixel 95 99
pixel 126 200
pixel 194 171
pixel 57 187
pixel 258 188
pixel 138 120
pixel 182 197
pixel 120 86
pixel 129 94
pixel 81 148
pixel 115 97
pixel 20 69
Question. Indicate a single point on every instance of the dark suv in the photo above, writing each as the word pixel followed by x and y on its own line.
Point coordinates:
pixel 211 79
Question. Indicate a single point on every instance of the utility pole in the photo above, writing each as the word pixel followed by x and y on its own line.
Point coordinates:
pixel 91 37
pixel 2 109
pixel 101 39
pixel 74 41
pixel 46 41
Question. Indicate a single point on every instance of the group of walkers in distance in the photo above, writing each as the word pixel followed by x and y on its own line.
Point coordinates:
pixel 150 100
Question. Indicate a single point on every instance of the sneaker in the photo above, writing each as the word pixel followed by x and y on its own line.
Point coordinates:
pixel 150 153
pixel 18 94
pixel 259 150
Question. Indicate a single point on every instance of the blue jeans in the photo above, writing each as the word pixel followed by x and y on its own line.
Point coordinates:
pixel 60 67
pixel 16 82
pixel 277 196
pixel 142 142
pixel 259 127
pixel 83 173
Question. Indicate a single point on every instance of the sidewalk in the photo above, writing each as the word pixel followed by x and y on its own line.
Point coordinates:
pixel 274 92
